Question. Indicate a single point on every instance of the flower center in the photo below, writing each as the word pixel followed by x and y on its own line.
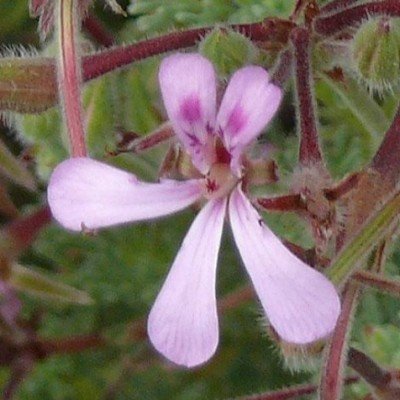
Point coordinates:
pixel 219 181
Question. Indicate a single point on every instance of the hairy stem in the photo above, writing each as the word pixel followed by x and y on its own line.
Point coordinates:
pixel 69 74
pixel 334 23
pixel 309 152
pixel 332 374
pixel 293 392
pixel 368 368
pixel 337 5
pixel 98 64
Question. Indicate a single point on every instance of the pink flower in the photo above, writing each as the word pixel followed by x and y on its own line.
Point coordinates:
pixel 301 304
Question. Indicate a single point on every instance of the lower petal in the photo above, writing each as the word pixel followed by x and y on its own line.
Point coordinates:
pixel 183 323
pixel 84 193
pixel 302 304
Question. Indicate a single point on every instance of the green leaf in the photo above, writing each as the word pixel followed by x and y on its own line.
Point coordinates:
pixel 361 245
pixel 37 284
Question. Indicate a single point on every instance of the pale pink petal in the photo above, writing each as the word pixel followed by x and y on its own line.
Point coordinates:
pixel 84 193
pixel 188 87
pixel 183 324
pixel 249 103
pixel 302 305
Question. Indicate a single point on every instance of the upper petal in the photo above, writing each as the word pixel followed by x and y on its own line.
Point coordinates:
pixel 249 103
pixel 84 193
pixel 188 88
pixel 183 323
pixel 302 304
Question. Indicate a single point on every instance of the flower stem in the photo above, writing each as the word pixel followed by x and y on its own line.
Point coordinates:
pixel 309 152
pixel 334 23
pixel 98 64
pixel 69 75
pixel 331 379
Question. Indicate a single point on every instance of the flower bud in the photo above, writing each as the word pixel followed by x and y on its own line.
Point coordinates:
pixel 375 54
pixel 27 84
pixel 228 50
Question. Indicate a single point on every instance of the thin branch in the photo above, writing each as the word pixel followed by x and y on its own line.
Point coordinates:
pixel 335 23
pixel 378 282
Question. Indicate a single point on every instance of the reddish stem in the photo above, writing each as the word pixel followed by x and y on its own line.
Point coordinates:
pixel 294 392
pixel 70 75
pixel 98 64
pixel 331 383
pixel 98 31
pixel 377 281
pixel 309 152
pixel 344 19
pixel 342 188
pixel 387 161
pixel 336 5
pixel 290 202
pixel 139 144
pixel 368 369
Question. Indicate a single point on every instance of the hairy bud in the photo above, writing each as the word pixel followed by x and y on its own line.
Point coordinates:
pixel 228 50
pixel 375 54
pixel 27 84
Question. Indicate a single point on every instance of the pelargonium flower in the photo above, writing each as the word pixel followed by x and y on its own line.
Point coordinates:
pixel 300 303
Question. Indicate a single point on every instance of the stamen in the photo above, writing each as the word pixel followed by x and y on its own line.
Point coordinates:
pixel 220 181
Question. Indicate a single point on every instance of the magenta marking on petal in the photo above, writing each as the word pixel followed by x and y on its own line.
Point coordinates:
pixel 190 109
pixel 236 121
pixel 188 88
pixel 301 303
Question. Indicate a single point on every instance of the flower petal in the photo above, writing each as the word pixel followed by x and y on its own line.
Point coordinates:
pixel 249 103
pixel 302 304
pixel 183 323
pixel 188 87
pixel 84 193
